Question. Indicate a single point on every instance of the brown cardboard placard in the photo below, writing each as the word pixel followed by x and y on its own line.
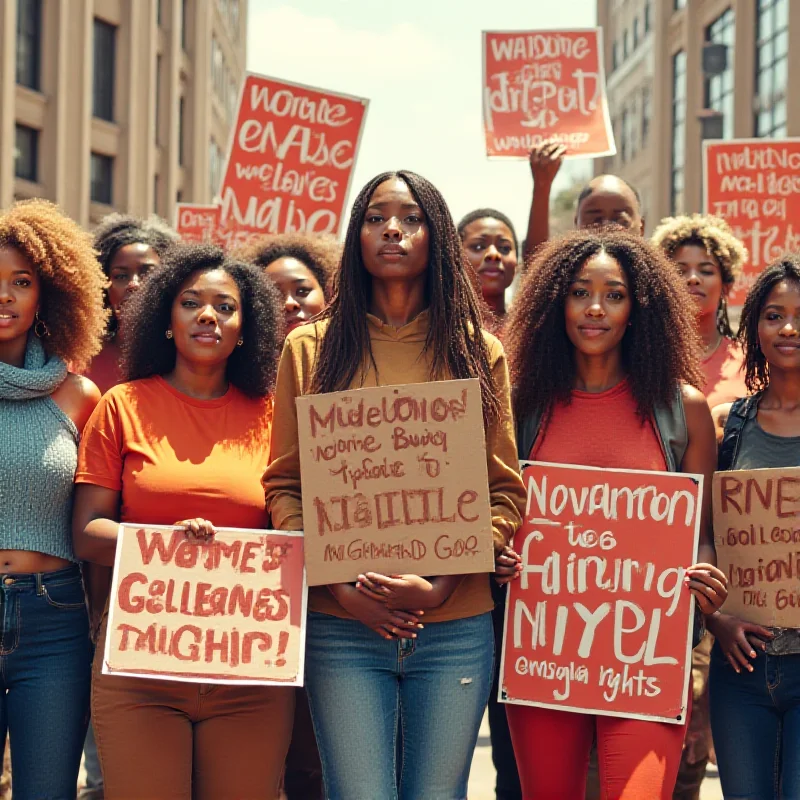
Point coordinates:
pixel 757 537
pixel 395 481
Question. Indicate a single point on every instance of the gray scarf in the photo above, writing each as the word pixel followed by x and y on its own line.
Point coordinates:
pixel 40 377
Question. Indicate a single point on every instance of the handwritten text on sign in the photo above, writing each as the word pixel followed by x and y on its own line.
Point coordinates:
pixel 232 611
pixel 545 85
pixel 600 620
pixel 754 184
pixel 291 158
pixel 395 481
pixel 757 536
pixel 197 223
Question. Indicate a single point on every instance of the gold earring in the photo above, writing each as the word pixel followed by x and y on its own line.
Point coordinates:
pixel 169 333
pixel 40 327
pixel 240 343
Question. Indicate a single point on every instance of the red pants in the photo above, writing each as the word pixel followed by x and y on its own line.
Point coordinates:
pixel 638 760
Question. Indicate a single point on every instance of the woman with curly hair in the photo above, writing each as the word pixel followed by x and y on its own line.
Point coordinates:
pixel 404 311
pixel 603 354
pixel 755 671
pixel 710 259
pixel 186 438
pixel 51 313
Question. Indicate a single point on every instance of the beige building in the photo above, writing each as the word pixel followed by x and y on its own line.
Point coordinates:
pixel 117 104
pixel 690 54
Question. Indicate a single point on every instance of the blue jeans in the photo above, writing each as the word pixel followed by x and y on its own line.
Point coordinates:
pixel 45 670
pixel 397 719
pixel 755 721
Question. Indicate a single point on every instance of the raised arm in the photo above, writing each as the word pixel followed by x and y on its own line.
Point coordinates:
pixel 545 161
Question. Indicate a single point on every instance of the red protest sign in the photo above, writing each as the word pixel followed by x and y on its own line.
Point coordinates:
pixel 291 157
pixel 231 611
pixel 600 621
pixel 545 85
pixel 754 184
pixel 197 223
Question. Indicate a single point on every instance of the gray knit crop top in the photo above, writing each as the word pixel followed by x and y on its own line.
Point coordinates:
pixel 38 457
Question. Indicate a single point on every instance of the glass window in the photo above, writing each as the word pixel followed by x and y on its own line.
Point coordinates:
pixel 647 114
pixel 625 45
pixel 29 43
pixel 678 131
pixel 635 32
pixel 101 190
pixel 719 88
pixel 104 68
pixel 184 25
pixel 614 56
pixel 772 67
pixel 647 21
pixel 26 153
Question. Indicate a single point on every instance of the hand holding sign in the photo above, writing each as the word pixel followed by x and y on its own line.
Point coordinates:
pixel 739 639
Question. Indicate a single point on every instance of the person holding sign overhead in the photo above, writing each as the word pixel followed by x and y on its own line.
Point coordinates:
pixel 755 670
pixel 183 443
pixel 397 648
pixel 603 357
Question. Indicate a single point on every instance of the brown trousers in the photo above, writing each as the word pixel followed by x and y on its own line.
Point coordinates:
pixel 189 741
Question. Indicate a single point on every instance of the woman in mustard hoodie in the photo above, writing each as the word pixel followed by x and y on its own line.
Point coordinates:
pixel 396 706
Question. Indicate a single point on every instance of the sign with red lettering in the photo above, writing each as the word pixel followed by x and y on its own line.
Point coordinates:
pixel 600 620
pixel 395 481
pixel 291 157
pixel 757 536
pixel 231 611
pixel 754 184
pixel 197 223
pixel 543 86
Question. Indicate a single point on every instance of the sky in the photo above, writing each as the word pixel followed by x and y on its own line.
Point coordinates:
pixel 419 64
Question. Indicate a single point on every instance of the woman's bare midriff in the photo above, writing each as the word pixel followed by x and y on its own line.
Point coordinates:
pixel 23 562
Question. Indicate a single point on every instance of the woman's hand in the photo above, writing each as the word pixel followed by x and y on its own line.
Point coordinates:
pixel 507 566
pixel 198 530
pixel 738 639
pixel 375 614
pixel 401 591
pixel 708 585
pixel 545 161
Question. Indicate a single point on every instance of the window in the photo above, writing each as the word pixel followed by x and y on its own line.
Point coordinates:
pixel 647 114
pixel 679 4
pixel 719 88
pixel 678 132
pixel 184 26
pixel 614 56
pixel 29 43
pixel 635 32
pixel 159 12
pixel 648 23
pixel 26 153
pixel 625 45
pixel 157 132
pixel 234 12
pixel 181 116
pixel 772 67
pixel 104 68
pixel 101 190
pixel 215 159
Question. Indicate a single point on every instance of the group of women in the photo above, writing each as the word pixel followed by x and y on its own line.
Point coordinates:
pixel 614 345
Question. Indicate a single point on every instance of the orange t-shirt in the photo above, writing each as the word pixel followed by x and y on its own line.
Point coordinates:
pixel 600 430
pixel 724 373
pixel 174 457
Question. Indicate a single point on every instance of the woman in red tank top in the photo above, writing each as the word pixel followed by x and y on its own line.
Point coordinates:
pixel 601 334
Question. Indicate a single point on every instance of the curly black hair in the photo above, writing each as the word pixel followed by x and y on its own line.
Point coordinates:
pixel 454 339
pixel 786 268
pixel 116 231
pixel 251 367
pixel 660 349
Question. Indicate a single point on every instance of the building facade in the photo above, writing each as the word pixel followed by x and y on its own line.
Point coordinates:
pixel 715 69
pixel 120 105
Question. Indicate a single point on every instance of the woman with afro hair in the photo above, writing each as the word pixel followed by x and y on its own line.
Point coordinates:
pixel 710 259
pixel 603 355
pixel 51 314
pixel 183 442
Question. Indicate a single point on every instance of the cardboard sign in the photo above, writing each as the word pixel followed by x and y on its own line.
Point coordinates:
pixel 291 158
pixel 395 481
pixel 600 620
pixel 757 536
pixel 540 86
pixel 232 611
pixel 197 223
pixel 754 184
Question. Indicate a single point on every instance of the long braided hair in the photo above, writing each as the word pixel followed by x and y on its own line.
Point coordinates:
pixel 454 338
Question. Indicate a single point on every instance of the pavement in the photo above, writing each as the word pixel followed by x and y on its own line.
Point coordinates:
pixel 481 779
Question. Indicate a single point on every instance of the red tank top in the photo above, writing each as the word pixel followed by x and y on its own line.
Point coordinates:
pixel 600 430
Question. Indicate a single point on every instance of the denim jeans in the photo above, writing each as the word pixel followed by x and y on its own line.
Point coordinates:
pixel 755 721
pixel 45 670
pixel 397 719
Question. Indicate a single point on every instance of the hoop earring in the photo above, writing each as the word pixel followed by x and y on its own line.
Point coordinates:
pixel 168 334
pixel 40 328
pixel 240 343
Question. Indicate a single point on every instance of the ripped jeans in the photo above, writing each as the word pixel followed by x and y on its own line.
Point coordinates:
pixel 397 720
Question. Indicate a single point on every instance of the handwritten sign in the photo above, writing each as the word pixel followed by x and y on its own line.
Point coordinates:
pixel 754 184
pixel 395 481
pixel 291 158
pixel 232 611
pixel 757 536
pixel 197 223
pixel 540 86
pixel 600 620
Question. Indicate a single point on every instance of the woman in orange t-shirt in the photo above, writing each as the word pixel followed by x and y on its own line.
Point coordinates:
pixel 186 438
